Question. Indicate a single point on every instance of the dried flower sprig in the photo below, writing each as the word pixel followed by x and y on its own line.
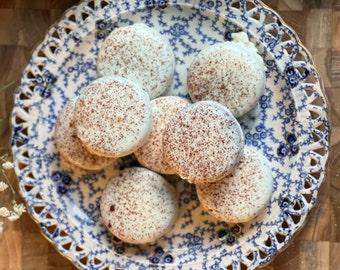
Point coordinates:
pixel 17 209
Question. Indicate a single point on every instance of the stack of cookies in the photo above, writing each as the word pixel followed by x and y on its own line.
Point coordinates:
pixel 112 118
pixel 123 112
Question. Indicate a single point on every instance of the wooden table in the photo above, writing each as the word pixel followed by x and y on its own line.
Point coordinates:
pixel 317 246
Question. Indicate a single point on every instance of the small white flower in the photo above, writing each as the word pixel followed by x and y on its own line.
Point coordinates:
pixel 7 165
pixel 4 212
pixel 3 186
pixel 19 208
pixel 13 216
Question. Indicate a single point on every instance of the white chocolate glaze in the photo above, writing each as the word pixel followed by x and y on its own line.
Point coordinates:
pixel 203 142
pixel 230 73
pixel 138 205
pixel 151 154
pixel 141 54
pixel 69 145
pixel 113 116
pixel 242 195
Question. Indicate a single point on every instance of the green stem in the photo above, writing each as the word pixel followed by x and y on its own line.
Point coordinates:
pixel 7 85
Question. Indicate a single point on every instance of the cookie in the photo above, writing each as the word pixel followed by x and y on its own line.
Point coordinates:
pixel 242 195
pixel 113 117
pixel 141 54
pixel 64 163
pixel 70 146
pixel 151 155
pixel 231 73
pixel 203 142
pixel 138 206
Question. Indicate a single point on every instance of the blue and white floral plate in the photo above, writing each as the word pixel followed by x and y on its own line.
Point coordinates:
pixel 289 126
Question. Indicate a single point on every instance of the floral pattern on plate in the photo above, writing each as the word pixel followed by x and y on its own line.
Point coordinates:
pixel 289 126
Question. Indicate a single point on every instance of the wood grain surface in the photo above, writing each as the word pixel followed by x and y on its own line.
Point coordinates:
pixel 23 24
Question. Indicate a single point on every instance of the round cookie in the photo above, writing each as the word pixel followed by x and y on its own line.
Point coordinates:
pixel 231 73
pixel 69 145
pixel 70 166
pixel 151 155
pixel 141 54
pixel 203 142
pixel 113 116
pixel 138 206
pixel 240 196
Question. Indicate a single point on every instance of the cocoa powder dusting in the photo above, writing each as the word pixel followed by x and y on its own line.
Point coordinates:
pixel 145 205
pixel 241 195
pixel 227 73
pixel 113 117
pixel 200 144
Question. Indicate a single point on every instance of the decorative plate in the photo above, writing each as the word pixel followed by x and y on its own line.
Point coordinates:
pixel 289 126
